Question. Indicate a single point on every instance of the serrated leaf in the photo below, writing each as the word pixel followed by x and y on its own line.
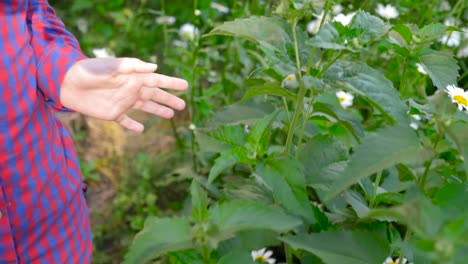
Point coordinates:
pixel 370 84
pixel 341 117
pixel 345 247
pixel 329 38
pixel 226 160
pixel 383 149
pixel 199 201
pixel 235 216
pixel 236 257
pixel 159 236
pixel 220 139
pixel 269 89
pixel 368 27
pixel 404 31
pixel 440 66
pixel 288 186
pixel 247 113
pixel 434 31
pixel 318 153
pixel 258 131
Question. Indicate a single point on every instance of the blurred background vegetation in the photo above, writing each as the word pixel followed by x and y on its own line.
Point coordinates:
pixel 133 176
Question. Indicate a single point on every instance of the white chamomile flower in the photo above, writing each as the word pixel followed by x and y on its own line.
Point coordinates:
pixel 416 117
pixel 290 81
pixel 82 25
pixel 344 19
pixel 263 255
pixel 346 99
pixel 197 12
pixel 337 9
pixel 166 20
pixel 314 25
pixel 458 96
pixel 192 127
pixel 444 6
pixel 452 39
pixel 421 68
pixel 389 260
pixel 414 126
pixel 102 53
pixel 221 8
pixel 463 52
pixel 188 31
pixel 387 11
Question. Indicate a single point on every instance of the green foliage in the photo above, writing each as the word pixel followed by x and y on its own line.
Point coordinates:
pixel 296 167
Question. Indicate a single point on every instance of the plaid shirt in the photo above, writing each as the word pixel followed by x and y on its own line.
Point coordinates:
pixel 43 214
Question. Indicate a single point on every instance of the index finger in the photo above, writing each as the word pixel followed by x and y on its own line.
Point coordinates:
pixel 163 81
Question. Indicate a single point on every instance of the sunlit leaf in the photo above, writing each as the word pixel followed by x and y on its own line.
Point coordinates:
pixel 160 236
pixel 347 247
pixel 440 66
pixel 378 151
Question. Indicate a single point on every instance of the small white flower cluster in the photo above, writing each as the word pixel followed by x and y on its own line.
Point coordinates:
pixel 219 7
pixel 166 20
pixel 263 256
pixel 390 260
pixel 314 25
pixel 387 11
pixel 458 96
pixel 345 99
pixel 189 32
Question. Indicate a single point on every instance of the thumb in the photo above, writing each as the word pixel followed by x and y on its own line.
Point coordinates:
pixel 133 65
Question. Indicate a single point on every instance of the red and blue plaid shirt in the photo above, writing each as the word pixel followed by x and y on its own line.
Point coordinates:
pixel 43 214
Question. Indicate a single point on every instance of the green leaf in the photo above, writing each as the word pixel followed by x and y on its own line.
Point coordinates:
pixel 383 149
pixel 236 257
pixel 405 32
pixel 344 247
pixel 368 27
pixel 370 84
pixel 440 66
pixel 258 131
pixel 226 160
pixel 269 89
pixel 329 38
pixel 342 117
pixel 458 132
pixel 220 139
pixel 285 179
pixel 199 201
pixel 234 216
pixel 433 31
pixel 159 236
pixel 320 152
pixel 453 195
pixel 247 113
pixel 272 34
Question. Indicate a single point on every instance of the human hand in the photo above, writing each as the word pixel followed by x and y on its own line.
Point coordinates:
pixel 107 88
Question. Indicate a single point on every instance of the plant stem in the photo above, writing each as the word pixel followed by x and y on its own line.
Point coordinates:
pixel 423 179
pixel 325 12
pixel 329 65
pixel 288 253
pixel 403 75
pixel 374 189
pixel 302 91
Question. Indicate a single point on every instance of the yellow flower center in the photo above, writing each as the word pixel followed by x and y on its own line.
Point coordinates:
pixel 291 78
pixel 261 258
pixel 393 262
pixel 461 100
pixel 342 99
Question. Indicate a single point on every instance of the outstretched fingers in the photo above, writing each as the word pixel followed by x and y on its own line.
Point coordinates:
pixel 155 109
pixel 129 123
pixel 156 80
pixel 133 65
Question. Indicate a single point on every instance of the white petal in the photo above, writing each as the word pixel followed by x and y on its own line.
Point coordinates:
pixel 268 254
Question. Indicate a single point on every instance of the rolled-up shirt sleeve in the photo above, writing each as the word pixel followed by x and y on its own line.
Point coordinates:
pixel 55 48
